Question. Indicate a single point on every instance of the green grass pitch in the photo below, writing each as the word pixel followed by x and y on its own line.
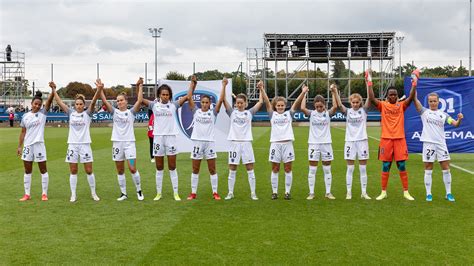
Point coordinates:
pixel 240 231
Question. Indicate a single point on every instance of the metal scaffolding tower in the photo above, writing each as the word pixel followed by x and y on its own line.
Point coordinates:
pixel 13 85
pixel 303 53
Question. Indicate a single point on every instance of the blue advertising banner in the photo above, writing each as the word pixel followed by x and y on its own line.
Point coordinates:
pixel 456 95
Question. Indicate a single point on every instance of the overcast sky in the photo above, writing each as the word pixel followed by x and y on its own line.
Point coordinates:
pixel 75 35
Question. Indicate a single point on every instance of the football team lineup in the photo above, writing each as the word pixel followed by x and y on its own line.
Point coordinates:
pixel 163 131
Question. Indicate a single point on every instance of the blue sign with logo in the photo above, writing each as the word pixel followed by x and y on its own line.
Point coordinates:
pixel 184 114
pixel 456 95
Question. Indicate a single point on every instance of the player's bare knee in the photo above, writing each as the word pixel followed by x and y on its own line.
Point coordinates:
pixel 276 168
pixel 248 166
pixel 326 163
pixel 212 171
pixel 232 167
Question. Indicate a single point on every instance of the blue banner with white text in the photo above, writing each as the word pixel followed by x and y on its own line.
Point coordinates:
pixel 456 95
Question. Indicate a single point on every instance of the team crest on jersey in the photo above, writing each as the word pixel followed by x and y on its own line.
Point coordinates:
pixel 184 114
pixel 36 115
pixel 360 112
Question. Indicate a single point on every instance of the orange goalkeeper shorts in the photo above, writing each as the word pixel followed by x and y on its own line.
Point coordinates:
pixel 393 149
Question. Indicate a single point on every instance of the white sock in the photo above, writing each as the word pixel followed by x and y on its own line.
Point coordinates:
pixel 159 181
pixel 349 172
pixel 136 179
pixel 327 178
pixel 91 180
pixel 27 183
pixel 274 181
pixel 447 180
pixel 429 180
pixel 231 180
pixel 288 181
pixel 312 178
pixel 45 182
pixel 363 178
pixel 194 183
pixel 122 184
pixel 214 179
pixel 73 184
pixel 251 176
pixel 174 180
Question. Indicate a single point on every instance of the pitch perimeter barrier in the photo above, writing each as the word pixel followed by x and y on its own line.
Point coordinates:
pixel 143 116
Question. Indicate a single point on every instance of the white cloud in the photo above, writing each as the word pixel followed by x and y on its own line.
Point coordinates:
pixel 75 35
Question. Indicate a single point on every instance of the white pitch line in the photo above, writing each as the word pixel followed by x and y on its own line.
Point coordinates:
pixel 451 164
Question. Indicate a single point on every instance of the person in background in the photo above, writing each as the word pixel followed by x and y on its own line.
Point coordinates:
pixel 150 133
pixel 11 117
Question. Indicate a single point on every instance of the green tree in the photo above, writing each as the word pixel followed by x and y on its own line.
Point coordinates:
pixel 74 88
pixel 175 75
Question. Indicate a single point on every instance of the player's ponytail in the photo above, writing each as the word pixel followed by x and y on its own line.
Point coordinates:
pixel 278 99
pixel 165 87
pixel 38 95
pixel 80 97
pixel 241 96
pixel 320 99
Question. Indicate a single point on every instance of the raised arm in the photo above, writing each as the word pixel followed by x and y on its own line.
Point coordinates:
pixel 60 102
pixel 414 82
pixel 222 97
pixel 189 96
pixel 298 100
pixel 259 104
pixel 265 96
pixel 47 105
pixel 96 97
pixel 138 103
pixel 370 91
pixel 336 95
pixel 192 87
pixel 456 123
pixel 334 101
pixel 303 105
pixel 102 96
pixel 418 104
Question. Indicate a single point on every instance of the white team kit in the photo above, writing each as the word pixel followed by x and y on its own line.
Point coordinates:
pixel 203 134
pixel 240 135
pixel 433 138
pixel 123 135
pixel 281 137
pixel 319 140
pixel 79 140
pixel 165 129
pixel 33 145
pixel 357 144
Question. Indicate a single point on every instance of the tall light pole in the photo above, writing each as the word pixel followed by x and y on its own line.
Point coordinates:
pixel 156 33
pixel 470 37
pixel 400 40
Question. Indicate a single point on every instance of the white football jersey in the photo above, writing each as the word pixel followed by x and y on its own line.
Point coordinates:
pixel 165 118
pixel 356 124
pixel 79 124
pixel 319 127
pixel 433 125
pixel 241 124
pixel 34 124
pixel 203 125
pixel 282 129
pixel 123 125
